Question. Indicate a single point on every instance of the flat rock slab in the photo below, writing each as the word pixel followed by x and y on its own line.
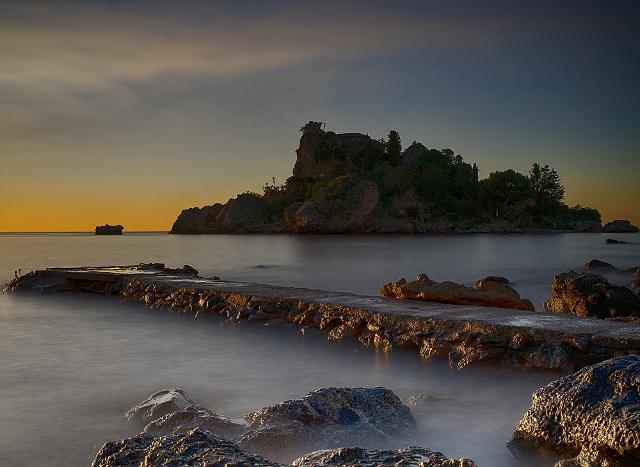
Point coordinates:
pixel 465 334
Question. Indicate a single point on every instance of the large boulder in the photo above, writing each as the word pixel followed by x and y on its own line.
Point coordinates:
pixel 245 210
pixel 197 220
pixel 158 405
pixel 188 418
pixel 591 295
pixel 405 457
pixel 620 226
pixel 593 414
pixel 328 418
pixel 195 448
pixel 491 292
pixel 598 266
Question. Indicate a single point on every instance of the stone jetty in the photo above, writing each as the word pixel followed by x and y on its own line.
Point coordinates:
pixel 464 334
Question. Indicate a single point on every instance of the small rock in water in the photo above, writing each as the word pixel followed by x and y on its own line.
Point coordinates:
pixel 187 419
pixel 405 457
pixel 593 414
pixel 158 405
pixel 599 266
pixel 613 241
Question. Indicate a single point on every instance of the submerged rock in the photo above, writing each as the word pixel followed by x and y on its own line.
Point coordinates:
pixel 329 417
pixel 613 241
pixel 158 405
pixel 593 414
pixel 405 457
pixel 591 295
pixel 195 448
pixel 195 417
pixel 620 226
pixel 109 229
pixel 491 291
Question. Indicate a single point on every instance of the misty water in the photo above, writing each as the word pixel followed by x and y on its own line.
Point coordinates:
pixel 70 365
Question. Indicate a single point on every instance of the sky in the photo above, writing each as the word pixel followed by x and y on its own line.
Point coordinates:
pixel 128 112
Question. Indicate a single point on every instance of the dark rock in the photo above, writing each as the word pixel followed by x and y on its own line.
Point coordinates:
pixel 498 279
pixel 491 292
pixel 613 241
pixel 187 419
pixel 405 457
pixel 109 229
pixel 158 405
pixel 195 448
pixel 620 226
pixel 327 418
pixel 586 294
pixel 246 209
pixel 197 220
pixel 588 226
pixel 598 266
pixel 594 414
pixel 185 270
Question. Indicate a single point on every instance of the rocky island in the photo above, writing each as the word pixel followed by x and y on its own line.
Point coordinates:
pixel 353 183
pixel 109 229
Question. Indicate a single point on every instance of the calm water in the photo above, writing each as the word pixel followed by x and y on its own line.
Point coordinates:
pixel 70 365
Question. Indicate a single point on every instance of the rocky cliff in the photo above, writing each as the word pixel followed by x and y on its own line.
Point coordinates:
pixel 352 183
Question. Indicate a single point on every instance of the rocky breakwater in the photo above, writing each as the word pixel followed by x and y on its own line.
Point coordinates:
pixel 326 418
pixel 589 293
pixel 492 291
pixel 463 334
pixel 590 418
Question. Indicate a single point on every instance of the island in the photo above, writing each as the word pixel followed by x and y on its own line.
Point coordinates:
pixel 353 183
pixel 109 229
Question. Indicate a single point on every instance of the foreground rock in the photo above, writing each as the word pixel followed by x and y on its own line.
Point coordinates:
pixel 159 404
pixel 329 417
pixel 189 418
pixel 109 229
pixel 620 226
pixel 405 457
pixel 195 448
pixel 491 291
pixel 591 295
pixel 593 414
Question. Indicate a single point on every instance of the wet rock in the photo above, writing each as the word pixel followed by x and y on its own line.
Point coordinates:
pixel 591 295
pixel 329 417
pixel 158 405
pixel 498 279
pixel 187 419
pixel 620 226
pixel 405 457
pixel 185 270
pixel 593 414
pixel 613 241
pixel 598 266
pixel 109 229
pixel 487 292
pixel 195 448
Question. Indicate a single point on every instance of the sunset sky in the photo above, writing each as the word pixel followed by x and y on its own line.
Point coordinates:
pixel 127 112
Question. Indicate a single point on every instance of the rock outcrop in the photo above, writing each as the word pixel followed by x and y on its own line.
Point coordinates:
pixel 197 220
pixel 329 417
pixel 593 414
pixel 490 291
pixel 588 226
pixel 591 295
pixel 195 448
pixel 109 229
pixel 405 457
pixel 596 265
pixel 192 417
pixel 620 226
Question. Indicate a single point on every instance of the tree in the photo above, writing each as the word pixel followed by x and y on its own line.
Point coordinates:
pixel 547 189
pixel 504 189
pixel 394 148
